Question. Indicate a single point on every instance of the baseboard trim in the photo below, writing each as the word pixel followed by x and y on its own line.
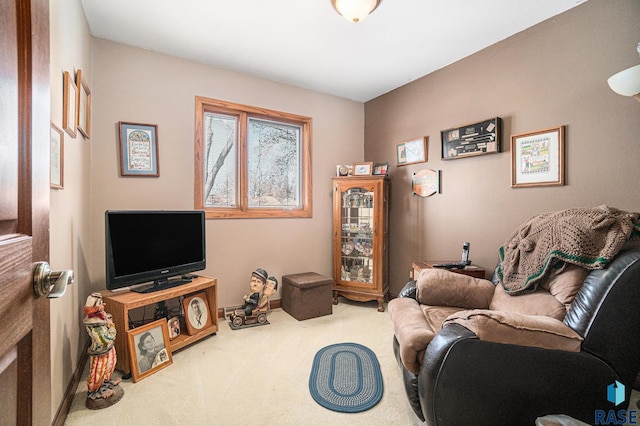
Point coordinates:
pixel 72 387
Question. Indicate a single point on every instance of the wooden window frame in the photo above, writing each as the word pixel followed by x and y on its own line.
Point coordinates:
pixel 243 113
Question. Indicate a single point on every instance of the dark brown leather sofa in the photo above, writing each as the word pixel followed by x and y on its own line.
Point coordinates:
pixel 462 377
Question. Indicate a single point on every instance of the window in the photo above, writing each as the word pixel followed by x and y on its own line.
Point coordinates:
pixel 251 162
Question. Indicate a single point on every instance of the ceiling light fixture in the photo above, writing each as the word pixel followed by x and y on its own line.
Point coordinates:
pixel 355 10
pixel 627 82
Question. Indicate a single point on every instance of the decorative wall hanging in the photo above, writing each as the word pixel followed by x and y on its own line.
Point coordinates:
pixel 412 151
pixel 57 158
pixel 537 158
pixel 473 139
pixel 70 105
pixel 84 105
pixel 426 182
pixel 138 149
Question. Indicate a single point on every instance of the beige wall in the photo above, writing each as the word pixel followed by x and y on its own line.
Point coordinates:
pixel 69 214
pixel 139 86
pixel 549 75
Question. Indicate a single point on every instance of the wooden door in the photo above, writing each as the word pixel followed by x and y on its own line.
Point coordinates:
pixel 25 372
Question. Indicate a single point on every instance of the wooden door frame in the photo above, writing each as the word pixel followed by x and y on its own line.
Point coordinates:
pixel 34 127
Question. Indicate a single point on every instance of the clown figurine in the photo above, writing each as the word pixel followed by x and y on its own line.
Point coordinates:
pixel 102 391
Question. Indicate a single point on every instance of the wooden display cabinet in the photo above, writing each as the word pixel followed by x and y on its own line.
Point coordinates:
pixel 119 305
pixel 361 238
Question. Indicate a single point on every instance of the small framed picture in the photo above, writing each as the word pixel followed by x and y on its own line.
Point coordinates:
pixel 57 158
pixel 363 169
pixel 412 151
pixel 84 105
pixel 149 349
pixel 380 168
pixel 174 327
pixel 138 149
pixel 537 158
pixel 196 313
pixel 70 105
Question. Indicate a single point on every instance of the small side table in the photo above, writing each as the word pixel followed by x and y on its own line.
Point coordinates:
pixel 471 270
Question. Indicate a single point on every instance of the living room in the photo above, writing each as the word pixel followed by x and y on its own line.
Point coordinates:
pixel 553 74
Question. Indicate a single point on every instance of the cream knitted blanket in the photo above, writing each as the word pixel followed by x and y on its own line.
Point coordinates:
pixel 587 237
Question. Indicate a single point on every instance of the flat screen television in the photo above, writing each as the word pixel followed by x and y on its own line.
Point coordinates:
pixel 153 246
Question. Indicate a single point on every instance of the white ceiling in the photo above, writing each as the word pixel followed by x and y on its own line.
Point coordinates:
pixel 307 44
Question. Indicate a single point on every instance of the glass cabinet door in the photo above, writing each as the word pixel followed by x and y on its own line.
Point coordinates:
pixel 357 217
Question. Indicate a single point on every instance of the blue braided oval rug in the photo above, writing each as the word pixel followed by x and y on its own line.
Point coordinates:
pixel 346 377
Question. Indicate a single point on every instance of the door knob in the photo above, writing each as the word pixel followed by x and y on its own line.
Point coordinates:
pixel 49 283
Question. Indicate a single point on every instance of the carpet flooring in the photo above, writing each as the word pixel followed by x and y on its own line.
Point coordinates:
pixel 258 375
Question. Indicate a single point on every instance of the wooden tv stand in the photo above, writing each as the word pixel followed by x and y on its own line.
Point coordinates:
pixel 119 304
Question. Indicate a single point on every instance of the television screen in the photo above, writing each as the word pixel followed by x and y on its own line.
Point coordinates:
pixel 144 246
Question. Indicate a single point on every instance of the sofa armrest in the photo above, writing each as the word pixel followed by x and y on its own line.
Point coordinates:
pixel 439 287
pixel 516 329
pixel 411 329
pixel 463 380
pixel 409 290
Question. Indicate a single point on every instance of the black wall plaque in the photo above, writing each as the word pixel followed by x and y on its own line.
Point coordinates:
pixel 473 139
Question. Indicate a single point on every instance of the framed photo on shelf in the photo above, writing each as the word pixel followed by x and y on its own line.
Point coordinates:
pixel 57 158
pixel 380 168
pixel 363 169
pixel 537 158
pixel 196 313
pixel 174 327
pixel 70 105
pixel 412 151
pixel 138 149
pixel 84 105
pixel 149 349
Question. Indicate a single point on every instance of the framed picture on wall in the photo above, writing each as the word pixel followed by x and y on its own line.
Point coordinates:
pixel 70 105
pixel 138 149
pixel 84 105
pixel 412 151
pixel 537 158
pixel 57 158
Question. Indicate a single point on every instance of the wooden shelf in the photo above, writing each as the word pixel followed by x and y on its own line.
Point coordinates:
pixel 119 305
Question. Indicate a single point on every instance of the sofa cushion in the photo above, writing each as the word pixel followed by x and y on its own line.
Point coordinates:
pixel 565 284
pixel 439 287
pixel 525 330
pixel 539 302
